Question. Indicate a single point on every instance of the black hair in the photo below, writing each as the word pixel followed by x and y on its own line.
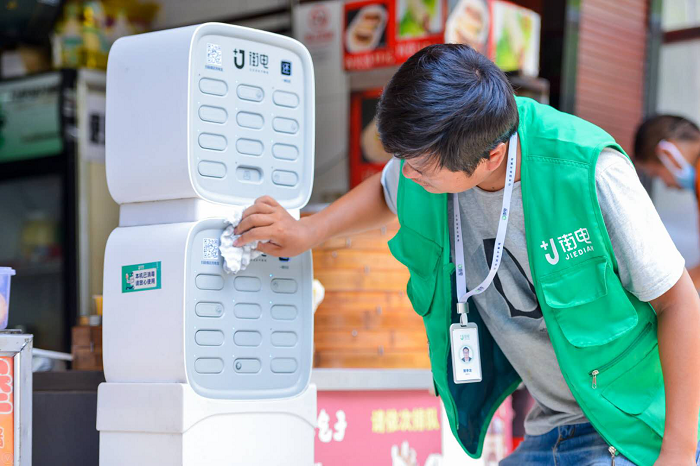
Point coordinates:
pixel 450 103
pixel 659 127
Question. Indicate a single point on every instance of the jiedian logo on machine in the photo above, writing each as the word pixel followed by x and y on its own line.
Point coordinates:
pixel 257 62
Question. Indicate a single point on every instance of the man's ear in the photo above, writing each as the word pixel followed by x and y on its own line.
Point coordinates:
pixel 496 157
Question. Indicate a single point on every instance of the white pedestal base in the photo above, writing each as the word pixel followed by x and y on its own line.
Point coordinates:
pixel 169 424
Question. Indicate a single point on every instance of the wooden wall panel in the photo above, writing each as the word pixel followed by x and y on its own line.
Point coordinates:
pixel 611 66
pixel 366 319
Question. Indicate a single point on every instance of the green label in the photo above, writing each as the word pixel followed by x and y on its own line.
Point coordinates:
pixel 141 277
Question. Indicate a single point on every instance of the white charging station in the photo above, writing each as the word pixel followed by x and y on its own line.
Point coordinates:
pixel 203 367
pixel 220 113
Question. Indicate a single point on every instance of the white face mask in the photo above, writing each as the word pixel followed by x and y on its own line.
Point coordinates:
pixel 686 174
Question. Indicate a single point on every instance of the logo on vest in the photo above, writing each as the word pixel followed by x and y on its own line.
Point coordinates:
pixel 572 245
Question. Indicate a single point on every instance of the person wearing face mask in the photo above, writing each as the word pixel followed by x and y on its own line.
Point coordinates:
pixel 668 147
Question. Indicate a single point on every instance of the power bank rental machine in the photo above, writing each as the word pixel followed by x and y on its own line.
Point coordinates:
pixel 204 367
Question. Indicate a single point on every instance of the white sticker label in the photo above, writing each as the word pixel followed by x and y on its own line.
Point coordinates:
pixel 211 249
pixel 466 355
pixel 145 279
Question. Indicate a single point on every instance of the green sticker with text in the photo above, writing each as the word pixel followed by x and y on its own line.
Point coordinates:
pixel 141 277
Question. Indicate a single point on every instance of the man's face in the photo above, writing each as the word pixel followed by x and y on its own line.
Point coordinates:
pixel 465 353
pixel 424 171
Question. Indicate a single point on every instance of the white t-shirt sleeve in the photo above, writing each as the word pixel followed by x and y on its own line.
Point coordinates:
pixel 649 263
pixel 390 182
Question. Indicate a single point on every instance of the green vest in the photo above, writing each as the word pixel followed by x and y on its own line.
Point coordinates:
pixel 604 338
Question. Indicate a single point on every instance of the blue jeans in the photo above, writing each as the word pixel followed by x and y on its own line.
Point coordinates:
pixel 575 445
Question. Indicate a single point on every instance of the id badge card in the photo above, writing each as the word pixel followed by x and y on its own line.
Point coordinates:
pixel 466 354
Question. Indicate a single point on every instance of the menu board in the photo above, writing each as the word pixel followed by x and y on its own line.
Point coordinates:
pixel 379 33
pixel 507 33
pixel 515 38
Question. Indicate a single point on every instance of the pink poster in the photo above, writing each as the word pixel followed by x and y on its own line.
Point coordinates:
pixel 382 428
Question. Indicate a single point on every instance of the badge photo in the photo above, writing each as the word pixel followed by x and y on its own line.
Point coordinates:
pixel 466 357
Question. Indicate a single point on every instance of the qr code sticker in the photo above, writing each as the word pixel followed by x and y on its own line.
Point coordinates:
pixel 213 54
pixel 211 248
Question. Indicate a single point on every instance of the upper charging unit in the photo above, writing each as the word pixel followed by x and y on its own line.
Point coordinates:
pixel 216 112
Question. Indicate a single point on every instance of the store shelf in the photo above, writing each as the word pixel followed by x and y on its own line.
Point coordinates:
pixel 372 379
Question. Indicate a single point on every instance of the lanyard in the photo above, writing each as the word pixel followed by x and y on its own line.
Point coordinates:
pixel 462 294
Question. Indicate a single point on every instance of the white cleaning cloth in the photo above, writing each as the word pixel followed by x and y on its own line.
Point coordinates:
pixel 236 258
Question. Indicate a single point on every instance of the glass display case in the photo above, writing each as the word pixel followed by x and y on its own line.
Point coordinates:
pixel 53 199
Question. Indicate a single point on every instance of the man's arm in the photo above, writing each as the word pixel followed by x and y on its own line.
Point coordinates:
pixel 678 311
pixel 363 208
pixel 653 270
pixel 695 276
pixel 695 271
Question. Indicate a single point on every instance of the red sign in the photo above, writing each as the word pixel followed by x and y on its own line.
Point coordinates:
pixel 378 428
pixel 7 411
pixel 381 33
pixel 318 29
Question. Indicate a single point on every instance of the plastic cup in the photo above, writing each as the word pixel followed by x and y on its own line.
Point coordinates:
pixel 6 274
pixel 98 304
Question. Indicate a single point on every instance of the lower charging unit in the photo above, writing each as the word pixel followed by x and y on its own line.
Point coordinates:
pixel 173 315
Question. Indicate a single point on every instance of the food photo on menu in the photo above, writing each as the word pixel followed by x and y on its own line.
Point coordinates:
pixel 469 24
pixel 418 18
pixel 366 29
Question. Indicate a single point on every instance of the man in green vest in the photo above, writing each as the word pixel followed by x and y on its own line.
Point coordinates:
pixel 531 226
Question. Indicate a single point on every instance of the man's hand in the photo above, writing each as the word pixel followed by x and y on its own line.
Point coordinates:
pixel 266 219
pixel 362 209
